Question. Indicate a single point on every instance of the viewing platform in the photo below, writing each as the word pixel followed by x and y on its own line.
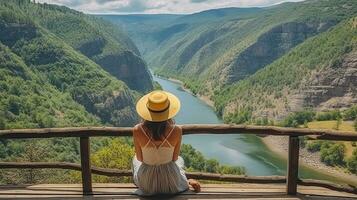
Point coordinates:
pixel 209 191
pixel 234 186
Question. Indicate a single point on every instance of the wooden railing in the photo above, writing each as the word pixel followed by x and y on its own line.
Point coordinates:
pixel 84 133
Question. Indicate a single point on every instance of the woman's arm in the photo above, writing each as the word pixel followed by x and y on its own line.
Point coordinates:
pixel 138 152
pixel 178 144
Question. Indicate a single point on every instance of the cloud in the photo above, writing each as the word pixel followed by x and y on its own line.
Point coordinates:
pixel 198 1
pixel 133 6
pixel 158 6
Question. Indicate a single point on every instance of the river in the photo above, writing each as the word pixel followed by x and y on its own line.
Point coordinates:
pixel 232 149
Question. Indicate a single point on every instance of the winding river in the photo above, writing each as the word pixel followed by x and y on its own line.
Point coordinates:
pixel 232 149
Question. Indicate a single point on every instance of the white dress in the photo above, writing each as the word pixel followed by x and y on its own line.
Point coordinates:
pixel 158 174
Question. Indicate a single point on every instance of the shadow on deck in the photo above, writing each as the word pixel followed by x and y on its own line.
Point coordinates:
pixel 209 191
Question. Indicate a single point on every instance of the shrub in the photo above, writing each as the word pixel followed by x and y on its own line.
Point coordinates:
pixel 314 146
pixel 193 158
pixel 350 114
pixel 330 115
pixel 224 169
pixel 298 118
pixel 212 166
pixel 333 154
pixel 195 161
pixel 352 162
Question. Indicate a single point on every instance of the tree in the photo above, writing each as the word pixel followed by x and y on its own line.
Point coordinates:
pixel 333 155
pixel 212 166
pixel 298 118
pixel 29 151
pixel 117 155
pixel 352 162
pixel 193 158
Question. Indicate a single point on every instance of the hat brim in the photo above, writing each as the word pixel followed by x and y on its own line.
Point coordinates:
pixel 146 114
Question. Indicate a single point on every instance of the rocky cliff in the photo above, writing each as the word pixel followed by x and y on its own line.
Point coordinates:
pixel 333 88
pixel 320 74
pixel 270 46
pixel 129 68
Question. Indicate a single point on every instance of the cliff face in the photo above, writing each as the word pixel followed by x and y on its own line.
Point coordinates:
pixel 123 64
pixel 333 88
pixel 320 73
pixel 270 46
pixel 129 68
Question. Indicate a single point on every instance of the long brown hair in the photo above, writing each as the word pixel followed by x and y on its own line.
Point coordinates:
pixel 157 129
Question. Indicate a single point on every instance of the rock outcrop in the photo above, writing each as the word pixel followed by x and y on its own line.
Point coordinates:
pixel 129 68
pixel 335 87
pixel 270 46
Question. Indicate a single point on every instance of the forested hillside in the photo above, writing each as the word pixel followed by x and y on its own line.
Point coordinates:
pixel 320 73
pixel 216 49
pixel 46 81
pixel 97 39
pixel 56 54
pixel 62 68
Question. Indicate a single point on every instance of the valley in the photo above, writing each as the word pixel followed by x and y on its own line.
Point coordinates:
pixel 292 64
pixel 260 61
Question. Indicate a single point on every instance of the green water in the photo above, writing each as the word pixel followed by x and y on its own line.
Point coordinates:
pixel 232 149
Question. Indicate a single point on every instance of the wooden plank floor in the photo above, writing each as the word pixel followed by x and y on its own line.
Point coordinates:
pixel 209 191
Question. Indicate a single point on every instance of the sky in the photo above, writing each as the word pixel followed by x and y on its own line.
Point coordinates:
pixel 157 6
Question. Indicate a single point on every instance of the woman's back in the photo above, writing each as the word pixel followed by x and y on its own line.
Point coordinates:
pixel 157 167
pixel 157 154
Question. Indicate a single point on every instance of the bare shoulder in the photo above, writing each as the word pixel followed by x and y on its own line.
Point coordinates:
pixel 136 129
pixel 178 130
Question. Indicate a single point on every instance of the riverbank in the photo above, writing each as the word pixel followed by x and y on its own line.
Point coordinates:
pixel 279 145
pixel 311 166
pixel 203 98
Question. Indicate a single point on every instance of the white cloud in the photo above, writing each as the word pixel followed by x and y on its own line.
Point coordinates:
pixel 158 6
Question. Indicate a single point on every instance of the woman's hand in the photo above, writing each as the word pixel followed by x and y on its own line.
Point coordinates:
pixel 195 184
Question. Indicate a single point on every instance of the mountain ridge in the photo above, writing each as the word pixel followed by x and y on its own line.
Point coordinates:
pixel 211 56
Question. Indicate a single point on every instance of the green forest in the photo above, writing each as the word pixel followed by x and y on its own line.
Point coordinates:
pixel 286 65
pixel 53 75
pixel 290 65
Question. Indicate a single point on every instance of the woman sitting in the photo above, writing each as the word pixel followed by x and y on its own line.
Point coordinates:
pixel 157 166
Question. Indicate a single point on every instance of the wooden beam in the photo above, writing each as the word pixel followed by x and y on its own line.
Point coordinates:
pixel 293 165
pixel 195 175
pixel 329 185
pixel 236 178
pixel 63 165
pixel 187 129
pixel 86 166
pixel 115 172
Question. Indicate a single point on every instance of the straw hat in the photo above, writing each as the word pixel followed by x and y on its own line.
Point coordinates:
pixel 158 106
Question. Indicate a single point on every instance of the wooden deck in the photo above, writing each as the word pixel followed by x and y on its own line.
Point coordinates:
pixel 209 191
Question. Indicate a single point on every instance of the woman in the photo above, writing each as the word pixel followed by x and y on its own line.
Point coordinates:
pixel 157 166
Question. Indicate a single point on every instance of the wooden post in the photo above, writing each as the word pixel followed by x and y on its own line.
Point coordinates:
pixel 86 166
pixel 293 165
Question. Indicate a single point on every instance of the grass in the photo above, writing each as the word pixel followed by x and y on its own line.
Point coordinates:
pixel 332 124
